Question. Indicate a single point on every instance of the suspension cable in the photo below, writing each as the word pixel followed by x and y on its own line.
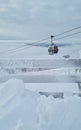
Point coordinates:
pixel 36 42
pixel 45 39
pixel 12 49
pixel 67 31
pixel 67 36
pixel 27 45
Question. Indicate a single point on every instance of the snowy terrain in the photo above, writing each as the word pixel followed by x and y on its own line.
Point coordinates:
pixel 29 98
pixel 22 108
pixel 20 49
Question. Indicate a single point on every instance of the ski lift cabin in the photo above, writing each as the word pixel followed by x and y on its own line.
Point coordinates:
pixel 52 49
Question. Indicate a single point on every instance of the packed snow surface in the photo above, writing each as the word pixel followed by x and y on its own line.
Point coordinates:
pixel 24 109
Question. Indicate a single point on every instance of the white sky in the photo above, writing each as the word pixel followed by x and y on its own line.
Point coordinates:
pixel 36 19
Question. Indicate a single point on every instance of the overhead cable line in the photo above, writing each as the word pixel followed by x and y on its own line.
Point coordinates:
pixel 36 42
pixel 11 49
pixel 22 48
pixel 27 45
pixel 56 35
pixel 45 39
pixel 67 31
pixel 67 36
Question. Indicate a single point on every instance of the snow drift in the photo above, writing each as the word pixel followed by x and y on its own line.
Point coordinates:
pixel 22 109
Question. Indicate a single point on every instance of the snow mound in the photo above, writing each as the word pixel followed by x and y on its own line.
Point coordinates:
pixel 11 93
pixel 11 88
pixel 15 85
pixel 21 109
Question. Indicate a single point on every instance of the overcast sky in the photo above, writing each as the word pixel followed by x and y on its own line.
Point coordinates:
pixel 36 19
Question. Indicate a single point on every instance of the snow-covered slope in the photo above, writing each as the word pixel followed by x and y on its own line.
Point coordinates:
pixel 16 104
pixel 31 59
pixel 36 70
pixel 22 109
pixel 19 49
pixel 39 106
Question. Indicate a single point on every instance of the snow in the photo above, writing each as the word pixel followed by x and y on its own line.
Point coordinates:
pixel 29 60
pixel 10 90
pixel 80 53
pixel 36 70
pixel 19 126
pixel 38 52
pixel 39 106
pixel 52 87
pixel 23 108
pixel 59 114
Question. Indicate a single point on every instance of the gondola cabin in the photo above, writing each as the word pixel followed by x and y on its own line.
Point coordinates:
pixel 52 49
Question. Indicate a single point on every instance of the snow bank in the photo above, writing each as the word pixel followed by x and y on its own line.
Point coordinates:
pixel 21 109
pixel 10 93
pixel 10 89
pixel 12 86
